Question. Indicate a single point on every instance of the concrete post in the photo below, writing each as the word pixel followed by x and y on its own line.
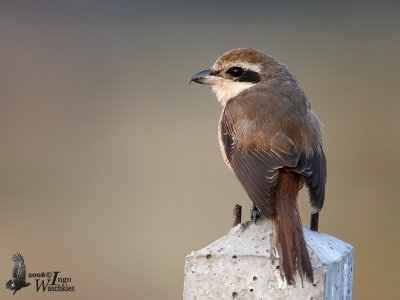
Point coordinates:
pixel 240 265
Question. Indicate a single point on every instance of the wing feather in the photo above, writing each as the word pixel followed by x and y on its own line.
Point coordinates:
pixel 258 168
pixel 19 270
pixel 313 171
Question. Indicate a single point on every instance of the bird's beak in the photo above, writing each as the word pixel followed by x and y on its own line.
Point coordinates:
pixel 205 77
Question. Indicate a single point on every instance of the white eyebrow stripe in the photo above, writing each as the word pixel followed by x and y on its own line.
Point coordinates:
pixel 253 67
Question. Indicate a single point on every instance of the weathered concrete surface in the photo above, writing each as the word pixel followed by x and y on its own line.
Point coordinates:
pixel 241 265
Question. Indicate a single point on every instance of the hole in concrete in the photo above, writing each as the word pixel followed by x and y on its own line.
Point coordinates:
pixel 314 284
pixel 277 267
pixel 251 290
pixel 234 257
pixel 234 295
pixel 254 278
pixel 208 256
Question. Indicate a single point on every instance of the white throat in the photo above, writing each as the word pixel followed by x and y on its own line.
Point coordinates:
pixel 227 89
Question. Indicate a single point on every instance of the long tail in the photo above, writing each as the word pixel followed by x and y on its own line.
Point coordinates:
pixel 291 246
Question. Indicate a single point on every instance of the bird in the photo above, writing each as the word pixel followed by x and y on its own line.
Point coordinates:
pixel 272 140
pixel 17 281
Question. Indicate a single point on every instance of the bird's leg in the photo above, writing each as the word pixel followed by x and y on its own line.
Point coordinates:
pixel 237 215
pixel 314 221
pixel 255 213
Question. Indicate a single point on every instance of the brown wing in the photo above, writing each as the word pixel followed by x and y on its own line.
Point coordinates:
pixel 258 169
pixel 313 171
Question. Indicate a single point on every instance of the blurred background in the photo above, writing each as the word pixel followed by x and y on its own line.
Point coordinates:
pixel 110 169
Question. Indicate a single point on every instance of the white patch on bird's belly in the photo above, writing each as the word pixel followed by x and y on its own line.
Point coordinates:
pixel 228 89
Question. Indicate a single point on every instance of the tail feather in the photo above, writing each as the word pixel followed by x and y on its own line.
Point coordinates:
pixel 292 249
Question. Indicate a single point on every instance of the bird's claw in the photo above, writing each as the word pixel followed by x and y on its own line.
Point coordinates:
pixel 255 213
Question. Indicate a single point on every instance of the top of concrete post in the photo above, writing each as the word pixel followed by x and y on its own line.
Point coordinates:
pixel 243 265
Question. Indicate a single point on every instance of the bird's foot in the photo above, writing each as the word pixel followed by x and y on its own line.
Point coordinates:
pixel 255 213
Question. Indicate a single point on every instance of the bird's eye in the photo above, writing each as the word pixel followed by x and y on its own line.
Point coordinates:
pixel 235 71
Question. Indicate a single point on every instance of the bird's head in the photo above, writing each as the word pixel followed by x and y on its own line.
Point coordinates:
pixel 236 71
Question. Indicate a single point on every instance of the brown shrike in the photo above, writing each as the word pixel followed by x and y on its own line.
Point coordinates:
pixel 271 139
